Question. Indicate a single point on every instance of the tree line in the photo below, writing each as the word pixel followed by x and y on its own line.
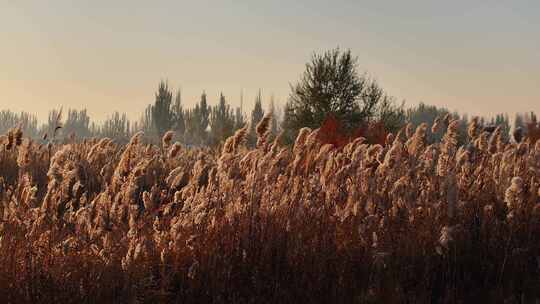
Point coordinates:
pixel 200 125
pixel 330 86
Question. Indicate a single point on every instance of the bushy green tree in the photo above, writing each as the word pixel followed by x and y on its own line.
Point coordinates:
pixel 331 85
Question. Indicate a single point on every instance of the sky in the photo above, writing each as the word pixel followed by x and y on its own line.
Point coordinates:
pixel 479 57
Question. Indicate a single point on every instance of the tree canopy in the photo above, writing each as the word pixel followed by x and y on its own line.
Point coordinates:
pixel 332 86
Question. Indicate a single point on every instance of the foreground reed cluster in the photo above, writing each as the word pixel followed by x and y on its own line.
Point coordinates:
pixel 409 220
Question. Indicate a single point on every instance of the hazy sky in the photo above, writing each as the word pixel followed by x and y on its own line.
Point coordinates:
pixel 473 56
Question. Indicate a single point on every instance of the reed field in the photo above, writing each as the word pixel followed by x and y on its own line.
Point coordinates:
pixel 407 221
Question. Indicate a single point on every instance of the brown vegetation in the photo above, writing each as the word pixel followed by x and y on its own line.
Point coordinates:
pixel 404 220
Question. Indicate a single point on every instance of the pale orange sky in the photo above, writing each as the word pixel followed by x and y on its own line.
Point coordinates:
pixel 480 58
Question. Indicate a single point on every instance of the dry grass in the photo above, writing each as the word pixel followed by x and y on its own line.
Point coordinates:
pixel 405 221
